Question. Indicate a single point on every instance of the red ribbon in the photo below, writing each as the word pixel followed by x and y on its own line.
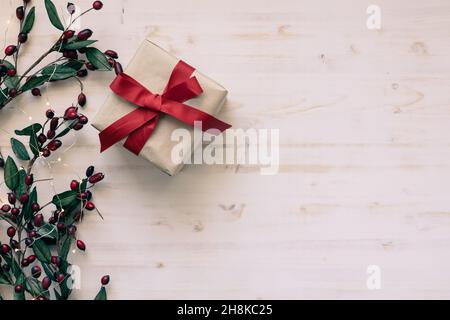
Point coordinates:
pixel 139 124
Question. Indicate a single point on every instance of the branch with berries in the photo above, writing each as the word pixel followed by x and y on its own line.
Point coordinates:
pixel 74 52
pixel 34 263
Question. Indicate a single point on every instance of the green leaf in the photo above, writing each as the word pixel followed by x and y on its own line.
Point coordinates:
pixel 58 72
pixel 41 251
pixel 5 278
pixel 101 295
pixel 75 45
pixel 98 59
pixel 34 146
pixel 66 130
pixel 65 199
pixel 34 82
pixel 11 174
pixel 48 231
pixel 22 188
pixel 33 286
pixel 19 150
pixel 65 288
pixel 74 64
pixel 29 21
pixel 66 248
pixel 30 130
pixel 20 281
pixel 27 212
pixel 49 270
pixel 12 82
pixel 53 15
pixel 3 96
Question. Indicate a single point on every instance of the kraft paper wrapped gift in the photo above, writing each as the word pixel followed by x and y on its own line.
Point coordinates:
pixel 152 67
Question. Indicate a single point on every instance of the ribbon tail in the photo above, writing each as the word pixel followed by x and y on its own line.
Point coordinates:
pixel 190 115
pixel 124 126
pixel 139 137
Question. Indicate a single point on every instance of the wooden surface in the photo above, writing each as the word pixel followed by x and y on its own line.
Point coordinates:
pixel 365 161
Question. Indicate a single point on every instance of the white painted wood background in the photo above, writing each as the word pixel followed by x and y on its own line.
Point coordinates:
pixel 365 153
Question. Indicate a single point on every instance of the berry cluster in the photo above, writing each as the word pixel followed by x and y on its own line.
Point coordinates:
pixel 35 260
pixel 69 65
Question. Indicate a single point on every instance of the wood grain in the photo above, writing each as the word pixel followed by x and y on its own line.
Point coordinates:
pixel 365 170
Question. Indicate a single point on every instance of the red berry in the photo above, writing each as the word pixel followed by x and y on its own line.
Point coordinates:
pixel 83 119
pixel 20 13
pixel 96 178
pixel 31 258
pixel 54 145
pixel 89 206
pixel 54 124
pixel 105 280
pixel 77 127
pixel 82 73
pixel 60 278
pixel 46 153
pixel 72 230
pixel 70 54
pixel 38 220
pixel 12 92
pixel 18 288
pixel 12 198
pixel 55 260
pixel 112 54
pixel 29 179
pixel 11 232
pixel 118 68
pixel 46 283
pixel 10 50
pixel 35 207
pixel 61 226
pixel 24 198
pixel 12 72
pixel 68 34
pixel 74 185
pixel 25 263
pixel 32 234
pixel 82 99
pixel 22 37
pixel 36 92
pixel 90 171
pixel 97 5
pixel 50 113
pixel 81 245
pixel 15 212
pixel 5 249
pixel 90 66
pixel 42 138
pixel 84 34
pixel 51 134
pixel 71 116
pixel 36 272
pixel 71 113
pixel 6 208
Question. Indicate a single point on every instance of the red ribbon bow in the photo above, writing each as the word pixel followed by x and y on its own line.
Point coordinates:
pixel 139 124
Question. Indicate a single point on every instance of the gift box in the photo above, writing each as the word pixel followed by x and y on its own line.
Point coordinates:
pixel 153 91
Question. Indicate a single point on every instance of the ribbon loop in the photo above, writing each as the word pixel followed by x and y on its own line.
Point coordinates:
pixel 139 124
